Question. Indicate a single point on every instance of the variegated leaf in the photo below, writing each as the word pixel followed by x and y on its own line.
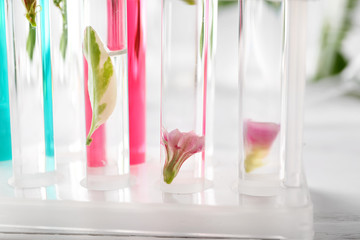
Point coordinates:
pixel 101 80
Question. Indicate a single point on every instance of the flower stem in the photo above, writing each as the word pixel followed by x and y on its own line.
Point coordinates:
pixel 31 39
pixel 64 35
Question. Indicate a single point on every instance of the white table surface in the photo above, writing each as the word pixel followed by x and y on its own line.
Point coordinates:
pixel 331 160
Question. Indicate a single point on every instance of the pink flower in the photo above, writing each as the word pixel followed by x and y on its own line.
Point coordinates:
pixel 259 137
pixel 179 146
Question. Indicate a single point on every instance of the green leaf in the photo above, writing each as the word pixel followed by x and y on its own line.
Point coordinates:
pixel 101 80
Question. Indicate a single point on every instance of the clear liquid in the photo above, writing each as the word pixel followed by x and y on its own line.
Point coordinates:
pixel 117 126
pixel 183 93
pixel 67 76
pixel 261 56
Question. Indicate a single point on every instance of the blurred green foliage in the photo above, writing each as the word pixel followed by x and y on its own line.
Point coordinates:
pixel 273 4
pixel 331 60
pixel 224 3
pixel 191 2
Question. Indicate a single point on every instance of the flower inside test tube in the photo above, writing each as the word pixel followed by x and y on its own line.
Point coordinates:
pixel 179 147
pixel 259 137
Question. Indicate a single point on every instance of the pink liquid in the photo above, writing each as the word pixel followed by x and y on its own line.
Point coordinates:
pixel 96 154
pixel 136 77
pixel 206 43
pixel 116 27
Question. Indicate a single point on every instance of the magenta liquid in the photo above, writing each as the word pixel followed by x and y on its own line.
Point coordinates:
pixel 96 155
pixel 136 78
pixel 116 32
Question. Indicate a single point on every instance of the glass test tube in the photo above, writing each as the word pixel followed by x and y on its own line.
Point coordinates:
pixel 271 79
pixel 108 153
pixel 294 91
pixel 67 74
pixel 210 96
pixel 30 91
pixel 183 94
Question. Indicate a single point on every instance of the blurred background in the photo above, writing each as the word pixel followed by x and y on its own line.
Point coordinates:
pixel 333 57
pixel 332 104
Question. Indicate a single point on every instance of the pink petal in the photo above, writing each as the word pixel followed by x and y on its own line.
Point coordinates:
pixel 173 138
pixel 179 146
pixel 261 134
pixel 165 135
pixel 191 143
pixel 198 145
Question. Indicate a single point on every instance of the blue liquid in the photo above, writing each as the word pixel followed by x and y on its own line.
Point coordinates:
pixel 51 193
pixel 47 85
pixel 5 132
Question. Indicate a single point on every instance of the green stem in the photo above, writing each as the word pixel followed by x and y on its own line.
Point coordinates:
pixel 31 39
pixel 88 138
pixel 93 127
pixel 173 165
pixel 169 171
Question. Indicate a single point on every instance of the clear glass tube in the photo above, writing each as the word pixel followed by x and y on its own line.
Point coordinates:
pixel 183 95
pixel 30 94
pixel 271 79
pixel 108 153
pixel 136 23
pixel 5 132
pixel 294 90
pixel 210 101
pixel 67 75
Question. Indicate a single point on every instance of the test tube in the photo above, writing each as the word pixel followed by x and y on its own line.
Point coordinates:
pixel 106 58
pixel 185 39
pixel 30 92
pixel 272 50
